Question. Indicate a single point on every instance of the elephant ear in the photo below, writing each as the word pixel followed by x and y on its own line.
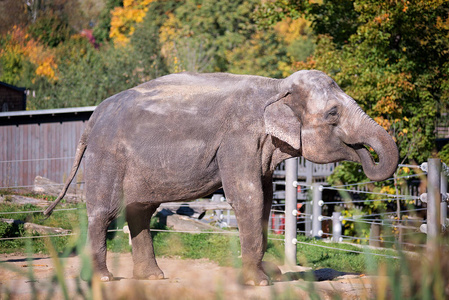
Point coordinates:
pixel 282 123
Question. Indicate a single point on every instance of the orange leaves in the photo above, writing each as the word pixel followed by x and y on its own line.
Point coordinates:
pixel 381 18
pixel 125 18
pixel 385 123
pixel 21 44
pixel 387 105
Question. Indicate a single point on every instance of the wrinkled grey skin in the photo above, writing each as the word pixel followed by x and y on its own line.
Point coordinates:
pixel 182 136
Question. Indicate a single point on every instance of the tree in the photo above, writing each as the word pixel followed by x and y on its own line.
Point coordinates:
pixel 147 39
pixel 23 59
pixel 50 29
pixel 146 42
pixel 391 56
pixel 12 13
pixel 124 19
pixel 210 28
pixel 103 26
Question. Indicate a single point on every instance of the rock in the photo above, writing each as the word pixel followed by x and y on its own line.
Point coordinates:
pixel 184 223
pixel 35 228
pixel 194 209
pixel 45 186
pixel 44 229
pixel 22 200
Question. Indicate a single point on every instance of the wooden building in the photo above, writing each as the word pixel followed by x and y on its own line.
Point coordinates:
pixel 12 98
pixel 41 142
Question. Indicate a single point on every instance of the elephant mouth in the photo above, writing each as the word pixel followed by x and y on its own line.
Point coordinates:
pixel 362 151
pixel 380 169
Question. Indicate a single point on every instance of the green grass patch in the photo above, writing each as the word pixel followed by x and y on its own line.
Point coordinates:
pixel 221 248
pixel 64 219
pixel 316 255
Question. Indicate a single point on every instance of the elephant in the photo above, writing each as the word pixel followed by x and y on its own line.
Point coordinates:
pixel 182 136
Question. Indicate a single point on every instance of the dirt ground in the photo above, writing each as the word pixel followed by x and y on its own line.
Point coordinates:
pixel 185 279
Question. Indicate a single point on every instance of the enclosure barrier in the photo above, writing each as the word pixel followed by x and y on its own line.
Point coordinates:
pixel 312 218
pixel 435 198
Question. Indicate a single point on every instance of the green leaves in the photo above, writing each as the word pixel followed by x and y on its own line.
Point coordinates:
pixel 389 56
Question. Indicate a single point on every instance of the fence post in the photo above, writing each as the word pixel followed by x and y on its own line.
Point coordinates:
pixel 317 203
pixel 444 202
pixel 336 227
pixel 433 204
pixel 291 176
pixel 374 235
pixel 308 208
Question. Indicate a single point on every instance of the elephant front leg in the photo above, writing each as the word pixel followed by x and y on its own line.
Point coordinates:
pixel 246 198
pixel 145 265
pixel 250 222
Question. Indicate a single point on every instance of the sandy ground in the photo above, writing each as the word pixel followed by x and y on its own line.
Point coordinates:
pixel 185 279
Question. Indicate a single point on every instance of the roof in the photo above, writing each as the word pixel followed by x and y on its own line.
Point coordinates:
pixel 19 89
pixel 46 115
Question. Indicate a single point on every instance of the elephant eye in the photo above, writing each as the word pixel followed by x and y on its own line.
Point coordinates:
pixel 332 115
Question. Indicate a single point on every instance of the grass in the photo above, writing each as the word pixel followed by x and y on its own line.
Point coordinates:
pixel 407 277
pixel 64 219
pixel 316 254
pixel 221 248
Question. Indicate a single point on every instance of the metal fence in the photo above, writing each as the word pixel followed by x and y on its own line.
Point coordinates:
pixel 407 219
pixel 413 215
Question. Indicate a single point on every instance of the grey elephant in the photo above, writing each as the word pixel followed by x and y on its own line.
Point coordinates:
pixel 182 136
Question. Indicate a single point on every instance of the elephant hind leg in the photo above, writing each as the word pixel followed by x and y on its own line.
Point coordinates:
pixel 145 265
pixel 97 228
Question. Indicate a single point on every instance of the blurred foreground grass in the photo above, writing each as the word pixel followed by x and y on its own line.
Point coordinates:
pixel 411 277
pixel 222 248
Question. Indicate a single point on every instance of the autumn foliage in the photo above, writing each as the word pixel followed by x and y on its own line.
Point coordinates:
pixel 18 47
pixel 392 57
pixel 124 19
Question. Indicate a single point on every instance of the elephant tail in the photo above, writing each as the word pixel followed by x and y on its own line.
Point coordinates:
pixel 81 148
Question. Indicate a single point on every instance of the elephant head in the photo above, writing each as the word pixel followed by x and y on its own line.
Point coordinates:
pixel 316 118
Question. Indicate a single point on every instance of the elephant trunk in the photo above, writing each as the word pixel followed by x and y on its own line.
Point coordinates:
pixel 386 149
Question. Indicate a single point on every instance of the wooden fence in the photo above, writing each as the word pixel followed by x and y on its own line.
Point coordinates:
pixel 39 143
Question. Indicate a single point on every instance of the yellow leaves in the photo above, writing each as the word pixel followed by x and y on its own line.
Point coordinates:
pixel 385 123
pixel 291 30
pixel 47 68
pixel 124 19
pixel 387 105
pixel 388 190
pixel 169 32
pixel 286 68
pixel 43 58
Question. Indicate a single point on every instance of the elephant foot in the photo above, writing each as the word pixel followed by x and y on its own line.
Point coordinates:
pixel 156 277
pixel 155 274
pixel 272 270
pixel 105 276
pixel 255 277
